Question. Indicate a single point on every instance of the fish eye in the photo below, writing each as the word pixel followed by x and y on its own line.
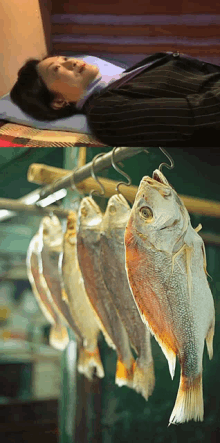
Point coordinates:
pixel 146 212
pixel 45 231
pixel 112 209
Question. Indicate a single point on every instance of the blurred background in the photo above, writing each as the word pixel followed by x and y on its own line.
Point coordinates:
pixel 41 394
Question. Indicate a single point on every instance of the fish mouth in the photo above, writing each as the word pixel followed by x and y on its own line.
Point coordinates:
pixel 159 177
pixel 120 198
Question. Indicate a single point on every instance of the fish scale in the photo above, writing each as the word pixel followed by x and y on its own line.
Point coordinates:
pixel 170 286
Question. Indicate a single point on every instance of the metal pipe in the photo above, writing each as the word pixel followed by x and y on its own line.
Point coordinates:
pixel 17 206
pixel 81 174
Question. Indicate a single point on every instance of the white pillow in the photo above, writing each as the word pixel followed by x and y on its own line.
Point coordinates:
pixel 77 123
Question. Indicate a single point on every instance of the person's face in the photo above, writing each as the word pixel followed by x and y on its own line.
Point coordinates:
pixel 66 77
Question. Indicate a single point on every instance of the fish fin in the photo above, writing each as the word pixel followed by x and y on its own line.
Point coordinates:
pixel 199 227
pixel 143 379
pixel 102 328
pixel 205 261
pixel 90 363
pixel 171 358
pixel 58 337
pixel 188 250
pixel 64 296
pixel 189 401
pixel 124 374
pixel 209 341
pixel 169 353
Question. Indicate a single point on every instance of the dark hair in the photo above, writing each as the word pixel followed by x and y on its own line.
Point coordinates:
pixel 32 96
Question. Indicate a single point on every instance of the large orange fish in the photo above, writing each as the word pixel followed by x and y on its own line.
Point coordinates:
pixel 166 268
pixel 50 248
pixel 89 257
pixel 58 337
pixel 113 267
pixel 79 304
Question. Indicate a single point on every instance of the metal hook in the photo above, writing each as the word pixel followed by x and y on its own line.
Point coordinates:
pixel 171 166
pixel 93 191
pixel 120 172
pixel 74 188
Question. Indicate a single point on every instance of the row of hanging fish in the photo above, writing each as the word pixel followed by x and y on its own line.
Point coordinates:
pixel 129 273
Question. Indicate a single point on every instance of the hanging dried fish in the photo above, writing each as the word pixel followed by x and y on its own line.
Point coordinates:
pixel 113 267
pixel 166 267
pixel 89 257
pixel 50 248
pixel 58 337
pixel 79 304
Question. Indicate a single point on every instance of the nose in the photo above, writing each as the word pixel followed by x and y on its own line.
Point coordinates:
pixel 69 64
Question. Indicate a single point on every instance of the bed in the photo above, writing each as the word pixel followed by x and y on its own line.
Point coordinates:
pixel 17 129
pixel 17 135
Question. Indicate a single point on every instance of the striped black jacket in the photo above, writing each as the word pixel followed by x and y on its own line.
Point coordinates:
pixel 173 103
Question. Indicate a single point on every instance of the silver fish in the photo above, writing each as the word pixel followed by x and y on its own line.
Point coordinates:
pixel 89 257
pixel 113 267
pixel 79 304
pixel 58 337
pixel 50 248
pixel 166 268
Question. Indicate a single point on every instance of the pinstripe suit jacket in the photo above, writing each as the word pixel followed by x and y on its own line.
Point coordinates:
pixel 173 103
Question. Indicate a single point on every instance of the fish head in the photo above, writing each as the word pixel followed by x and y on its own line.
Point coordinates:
pixel 116 214
pixel 158 214
pixel 51 233
pixel 90 215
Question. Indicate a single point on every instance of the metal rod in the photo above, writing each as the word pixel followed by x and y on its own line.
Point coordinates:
pixel 81 174
pixel 14 205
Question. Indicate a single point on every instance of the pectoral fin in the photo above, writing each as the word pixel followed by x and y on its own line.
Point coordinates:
pixel 188 250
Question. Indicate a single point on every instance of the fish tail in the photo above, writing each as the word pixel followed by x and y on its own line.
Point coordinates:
pixel 209 340
pixel 144 378
pixel 189 401
pixel 58 337
pixel 124 373
pixel 88 362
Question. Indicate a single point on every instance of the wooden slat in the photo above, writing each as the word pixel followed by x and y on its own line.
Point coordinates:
pixel 94 48
pixel 200 32
pixel 121 7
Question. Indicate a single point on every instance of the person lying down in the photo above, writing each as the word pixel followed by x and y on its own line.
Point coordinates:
pixel 167 99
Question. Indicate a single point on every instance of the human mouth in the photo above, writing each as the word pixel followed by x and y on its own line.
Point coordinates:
pixel 82 67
